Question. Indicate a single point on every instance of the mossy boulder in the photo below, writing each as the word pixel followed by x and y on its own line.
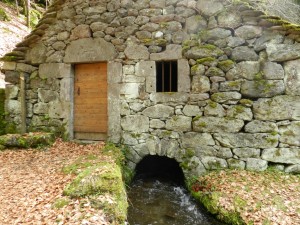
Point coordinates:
pixel 29 140
pixel 2 113
pixel 100 179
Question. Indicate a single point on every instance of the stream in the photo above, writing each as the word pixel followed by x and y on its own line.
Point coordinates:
pixel 162 202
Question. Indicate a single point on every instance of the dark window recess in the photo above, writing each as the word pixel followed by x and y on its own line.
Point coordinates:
pixel 166 76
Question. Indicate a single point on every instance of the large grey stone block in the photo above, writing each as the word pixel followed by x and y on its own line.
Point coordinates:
pixel 291 134
pixel 244 153
pixel 292 77
pixel 169 97
pixel 89 50
pixel 283 52
pixel 184 81
pixel 282 155
pixel 240 112
pixel 225 97
pixel 273 71
pixel 248 32
pixel 135 51
pixel 159 111
pixel 262 88
pixel 258 126
pixel 114 72
pixel 214 163
pixel 47 95
pixel 179 123
pixel 282 107
pixel 244 53
pixel 256 164
pixel 217 125
pixel 243 140
pixel 209 8
pixel 194 140
pixel 172 52
pixel 55 70
pixel 135 123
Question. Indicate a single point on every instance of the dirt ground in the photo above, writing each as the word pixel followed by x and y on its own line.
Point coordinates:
pixel 31 181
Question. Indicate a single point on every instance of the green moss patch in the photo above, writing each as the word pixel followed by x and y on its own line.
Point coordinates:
pixel 2 113
pixel 29 140
pixel 101 181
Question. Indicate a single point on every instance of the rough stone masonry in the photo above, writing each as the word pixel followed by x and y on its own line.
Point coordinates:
pixel 237 103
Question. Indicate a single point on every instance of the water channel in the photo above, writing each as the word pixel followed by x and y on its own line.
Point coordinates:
pixel 157 196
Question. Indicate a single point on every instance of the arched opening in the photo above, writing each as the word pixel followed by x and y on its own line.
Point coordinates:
pixel 159 167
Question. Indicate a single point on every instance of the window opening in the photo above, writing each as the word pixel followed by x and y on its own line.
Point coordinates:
pixel 166 76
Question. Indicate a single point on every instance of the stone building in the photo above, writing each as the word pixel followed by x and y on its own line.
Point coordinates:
pixel 212 84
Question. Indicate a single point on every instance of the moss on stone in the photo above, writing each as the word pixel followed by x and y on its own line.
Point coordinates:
pixel 246 102
pixel 235 83
pixel 206 60
pixel 29 140
pixel 202 124
pixel 196 118
pixel 217 97
pixel 212 104
pixel 226 65
pixel 159 42
pixel 210 200
pixel 2 113
pixel 101 178
pixel 9 58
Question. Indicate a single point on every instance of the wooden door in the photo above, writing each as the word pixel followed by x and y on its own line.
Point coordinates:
pixel 90 101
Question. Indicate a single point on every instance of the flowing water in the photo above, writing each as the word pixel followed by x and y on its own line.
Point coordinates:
pixel 159 202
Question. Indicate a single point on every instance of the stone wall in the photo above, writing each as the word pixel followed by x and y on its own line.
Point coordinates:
pixel 238 99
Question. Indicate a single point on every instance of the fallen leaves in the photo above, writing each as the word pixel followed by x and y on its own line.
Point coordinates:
pixel 31 181
pixel 259 197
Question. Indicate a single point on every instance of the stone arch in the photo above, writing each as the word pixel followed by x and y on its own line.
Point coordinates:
pixel 155 166
pixel 189 163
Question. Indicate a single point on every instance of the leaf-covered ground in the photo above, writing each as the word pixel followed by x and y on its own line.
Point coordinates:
pixel 257 198
pixel 32 182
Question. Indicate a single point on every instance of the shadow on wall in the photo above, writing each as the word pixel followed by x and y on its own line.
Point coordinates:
pixel 159 167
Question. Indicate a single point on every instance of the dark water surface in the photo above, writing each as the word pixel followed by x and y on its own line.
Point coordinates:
pixel 159 202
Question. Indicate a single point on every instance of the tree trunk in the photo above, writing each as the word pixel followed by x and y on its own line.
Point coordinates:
pixel 28 12
pixel 17 5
